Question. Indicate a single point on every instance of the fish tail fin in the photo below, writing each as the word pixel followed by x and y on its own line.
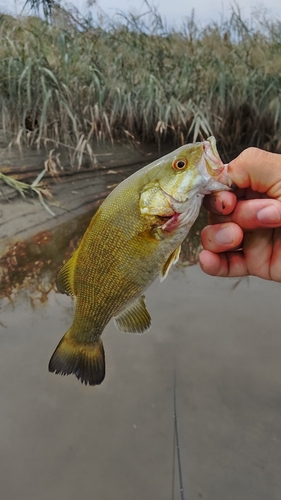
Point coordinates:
pixel 86 361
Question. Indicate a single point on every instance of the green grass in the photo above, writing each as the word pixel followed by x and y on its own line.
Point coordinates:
pixel 63 83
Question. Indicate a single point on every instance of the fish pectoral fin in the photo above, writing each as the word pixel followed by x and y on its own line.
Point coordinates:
pixel 65 277
pixel 173 259
pixel 134 319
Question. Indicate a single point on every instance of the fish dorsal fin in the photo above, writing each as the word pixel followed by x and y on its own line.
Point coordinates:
pixel 65 277
pixel 173 259
pixel 135 318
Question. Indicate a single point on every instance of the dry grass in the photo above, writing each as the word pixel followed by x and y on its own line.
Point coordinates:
pixel 72 84
pixel 29 190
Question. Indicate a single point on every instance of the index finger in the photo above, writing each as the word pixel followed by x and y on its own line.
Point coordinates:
pixel 220 202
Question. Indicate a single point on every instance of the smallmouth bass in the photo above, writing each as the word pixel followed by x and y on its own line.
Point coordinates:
pixel 135 236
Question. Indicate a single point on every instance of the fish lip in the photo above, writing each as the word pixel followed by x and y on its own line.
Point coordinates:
pixel 214 163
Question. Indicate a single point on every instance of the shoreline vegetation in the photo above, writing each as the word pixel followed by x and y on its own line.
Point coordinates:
pixel 70 83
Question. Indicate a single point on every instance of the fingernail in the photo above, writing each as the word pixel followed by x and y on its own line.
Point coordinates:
pixel 269 215
pixel 224 236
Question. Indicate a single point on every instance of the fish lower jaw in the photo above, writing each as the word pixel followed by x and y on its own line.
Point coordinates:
pixel 184 218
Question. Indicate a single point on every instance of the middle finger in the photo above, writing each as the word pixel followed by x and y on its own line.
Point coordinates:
pixel 222 237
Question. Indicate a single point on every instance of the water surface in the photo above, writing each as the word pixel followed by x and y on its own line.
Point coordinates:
pixel 62 440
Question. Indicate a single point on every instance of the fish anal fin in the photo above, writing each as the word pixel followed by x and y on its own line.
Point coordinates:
pixel 173 259
pixel 86 361
pixel 135 318
pixel 65 277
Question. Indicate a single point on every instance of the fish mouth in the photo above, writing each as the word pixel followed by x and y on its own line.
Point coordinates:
pixel 214 164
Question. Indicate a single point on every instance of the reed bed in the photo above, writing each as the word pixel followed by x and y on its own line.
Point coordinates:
pixel 72 84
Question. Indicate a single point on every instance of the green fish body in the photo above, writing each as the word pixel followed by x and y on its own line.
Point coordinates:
pixel 133 238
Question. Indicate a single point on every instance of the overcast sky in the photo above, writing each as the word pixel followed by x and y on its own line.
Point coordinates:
pixel 172 10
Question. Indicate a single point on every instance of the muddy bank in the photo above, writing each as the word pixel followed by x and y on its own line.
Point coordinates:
pixel 74 191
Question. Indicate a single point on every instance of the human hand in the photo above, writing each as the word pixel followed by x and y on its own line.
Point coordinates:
pixel 244 237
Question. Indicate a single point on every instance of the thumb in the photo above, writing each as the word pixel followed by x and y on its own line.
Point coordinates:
pixel 259 170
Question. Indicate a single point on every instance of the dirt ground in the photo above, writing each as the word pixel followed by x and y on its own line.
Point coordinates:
pixel 74 191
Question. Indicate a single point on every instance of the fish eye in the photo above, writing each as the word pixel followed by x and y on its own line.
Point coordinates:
pixel 179 164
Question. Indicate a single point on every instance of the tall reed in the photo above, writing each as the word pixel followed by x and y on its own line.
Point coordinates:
pixel 72 84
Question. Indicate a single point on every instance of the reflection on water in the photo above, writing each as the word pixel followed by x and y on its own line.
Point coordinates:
pixel 33 264
pixel 62 440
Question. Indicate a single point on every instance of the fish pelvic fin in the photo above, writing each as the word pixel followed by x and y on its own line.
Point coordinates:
pixel 85 361
pixel 172 260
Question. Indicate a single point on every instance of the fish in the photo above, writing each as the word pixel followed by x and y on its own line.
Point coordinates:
pixel 134 237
